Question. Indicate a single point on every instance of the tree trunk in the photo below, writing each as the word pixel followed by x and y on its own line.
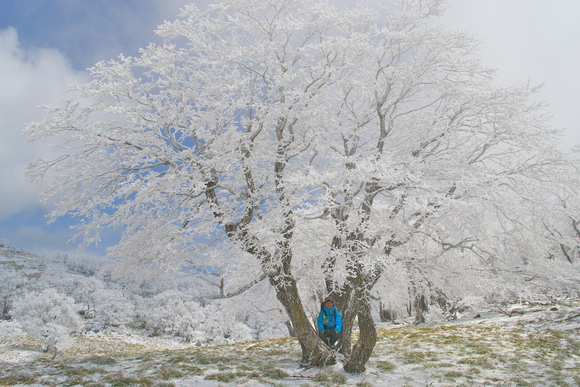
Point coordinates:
pixel 348 308
pixel 4 307
pixel 387 314
pixel 314 352
pixel 363 348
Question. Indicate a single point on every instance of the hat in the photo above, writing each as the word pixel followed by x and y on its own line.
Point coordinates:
pixel 329 298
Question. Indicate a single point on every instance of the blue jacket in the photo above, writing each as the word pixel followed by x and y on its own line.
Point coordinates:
pixel 329 319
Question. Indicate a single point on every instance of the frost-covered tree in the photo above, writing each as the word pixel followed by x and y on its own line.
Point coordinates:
pixel 380 133
pixel 10 280
pixel 83 264
pixel 113 307
pixel 48 316
pixel 171 312
pixel 221 324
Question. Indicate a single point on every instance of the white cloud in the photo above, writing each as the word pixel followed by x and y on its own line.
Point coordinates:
pixel 28 78
pixel 531 40
pixel 169 9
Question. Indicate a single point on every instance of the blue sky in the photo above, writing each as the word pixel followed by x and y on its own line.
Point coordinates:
pixel 47 44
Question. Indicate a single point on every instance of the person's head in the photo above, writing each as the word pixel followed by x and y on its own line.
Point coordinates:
pixel 329 302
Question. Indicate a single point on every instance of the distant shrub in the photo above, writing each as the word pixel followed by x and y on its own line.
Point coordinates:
pixel 49 317
pixel 112 308
pixel 171 312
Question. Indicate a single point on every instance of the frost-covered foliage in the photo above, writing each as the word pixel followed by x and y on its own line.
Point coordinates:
pixel 113 307
pixel 232 320
pixel 48 316
pixel 445 290
pixel 11 280
pixel 222 323
pixel 171 312
pixel 375 138
pixel 55 301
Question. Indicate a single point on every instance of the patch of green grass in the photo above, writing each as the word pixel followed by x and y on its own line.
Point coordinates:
pixel 121 380
pixel 22 377
pixel 516 367
pixel 179 358
pixel 273 373
pixel 557 365
pixel 191 369
pixel 452 375
pixel 385 366
pixel 287 347
pixel 473 371
pixel 526 349
pixel 102 360
pixel 206 359
pixel 436 365
pixel 479 361
pixel 245 365
pixel 224 377
pixel 77 374
pixel 521 382
pixel 166 372
pixel 418 357
pixel 329 378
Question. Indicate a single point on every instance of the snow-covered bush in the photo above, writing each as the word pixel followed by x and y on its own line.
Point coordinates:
pixel 48 316
pixel 176 313
pixel 10 280
pixel 221 325
pixel 84 294
pixel 172 312
pixel 153 285
pixel 83 264
pixel 113 308
pixel 259 310
pixel 55 276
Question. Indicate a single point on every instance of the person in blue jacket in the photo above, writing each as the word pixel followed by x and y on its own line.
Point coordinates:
pixel 329 323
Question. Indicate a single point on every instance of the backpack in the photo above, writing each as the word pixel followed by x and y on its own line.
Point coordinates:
pixel 328 319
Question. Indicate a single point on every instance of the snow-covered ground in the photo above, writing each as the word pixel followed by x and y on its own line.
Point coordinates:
pixel 535 346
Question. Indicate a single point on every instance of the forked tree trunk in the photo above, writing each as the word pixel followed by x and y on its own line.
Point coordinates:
pixel 314 352
pixel 347 306
pixel 356 303
pixel 363 348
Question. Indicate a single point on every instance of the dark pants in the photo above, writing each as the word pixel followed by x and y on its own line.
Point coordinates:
pixel 330 337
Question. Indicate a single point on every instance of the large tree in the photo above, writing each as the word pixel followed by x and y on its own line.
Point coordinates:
pixel 261 126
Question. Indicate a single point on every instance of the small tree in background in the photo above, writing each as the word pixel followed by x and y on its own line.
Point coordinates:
pixel 10 281
pixel 113 307
pixel 381 133
pixel 48 316
pixel 171 312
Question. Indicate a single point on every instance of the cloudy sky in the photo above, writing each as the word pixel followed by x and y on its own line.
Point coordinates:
pixel 47 44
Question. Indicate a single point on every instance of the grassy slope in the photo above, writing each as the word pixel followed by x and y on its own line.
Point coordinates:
pixel 536 348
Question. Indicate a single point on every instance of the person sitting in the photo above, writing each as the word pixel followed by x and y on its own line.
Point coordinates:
pixel 329 323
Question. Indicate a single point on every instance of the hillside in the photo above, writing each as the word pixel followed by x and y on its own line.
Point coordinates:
pixel 23 260
pixel 538 345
